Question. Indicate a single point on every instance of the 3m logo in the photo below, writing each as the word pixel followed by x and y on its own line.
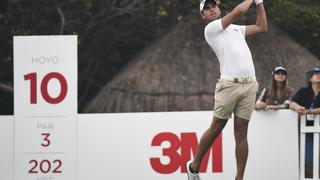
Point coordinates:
pixel 187 144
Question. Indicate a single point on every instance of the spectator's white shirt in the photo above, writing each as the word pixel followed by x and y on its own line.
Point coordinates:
pixel 231 49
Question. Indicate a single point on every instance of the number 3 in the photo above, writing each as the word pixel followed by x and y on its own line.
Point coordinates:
pixel 46 139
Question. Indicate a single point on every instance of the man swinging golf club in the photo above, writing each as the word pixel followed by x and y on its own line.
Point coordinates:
pixel 236 90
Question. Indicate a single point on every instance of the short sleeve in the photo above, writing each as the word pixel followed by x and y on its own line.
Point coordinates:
pixel 242 29
pixel 213 29
pixel 298 97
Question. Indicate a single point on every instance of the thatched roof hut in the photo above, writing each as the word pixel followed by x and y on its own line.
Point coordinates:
pixel 178 71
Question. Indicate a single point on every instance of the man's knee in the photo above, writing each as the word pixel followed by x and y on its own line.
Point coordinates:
pixel 240 129
pixel 241 136
pixel 218 123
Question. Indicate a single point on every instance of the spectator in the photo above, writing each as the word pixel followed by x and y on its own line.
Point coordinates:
pixel 278 95
pixel 307 101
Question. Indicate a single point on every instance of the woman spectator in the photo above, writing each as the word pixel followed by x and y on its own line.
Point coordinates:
pixel 278 95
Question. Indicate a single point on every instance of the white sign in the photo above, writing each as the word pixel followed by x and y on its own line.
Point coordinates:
pixel 45 107
pixel 156 145
pixel 119 146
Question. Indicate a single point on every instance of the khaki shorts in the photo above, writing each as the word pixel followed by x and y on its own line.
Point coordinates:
pixel 237 98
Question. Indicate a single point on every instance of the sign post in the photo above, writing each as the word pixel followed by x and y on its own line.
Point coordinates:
pixel 45 107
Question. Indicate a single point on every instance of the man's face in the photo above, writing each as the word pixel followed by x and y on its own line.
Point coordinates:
pixel 211 12
pixel 315 78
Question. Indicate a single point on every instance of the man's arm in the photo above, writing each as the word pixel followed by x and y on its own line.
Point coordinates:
pixel 236 13
pixel 261 23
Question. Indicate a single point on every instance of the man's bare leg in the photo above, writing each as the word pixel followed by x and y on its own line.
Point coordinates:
pixel 207 139
pixel 242 149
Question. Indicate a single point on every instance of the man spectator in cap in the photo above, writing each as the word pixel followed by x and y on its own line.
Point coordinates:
pixel 236 90
pixel 307 101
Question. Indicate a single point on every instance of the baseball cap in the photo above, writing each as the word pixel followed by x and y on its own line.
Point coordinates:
pixel 310 73
pixel 279 68
pixel 205 2
pixel 313 70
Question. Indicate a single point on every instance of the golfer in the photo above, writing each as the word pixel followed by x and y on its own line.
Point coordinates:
pixel 237 87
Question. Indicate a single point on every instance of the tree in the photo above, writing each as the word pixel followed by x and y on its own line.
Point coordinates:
pixel 112 32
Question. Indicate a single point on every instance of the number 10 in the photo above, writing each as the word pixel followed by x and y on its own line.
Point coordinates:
pixel 44 87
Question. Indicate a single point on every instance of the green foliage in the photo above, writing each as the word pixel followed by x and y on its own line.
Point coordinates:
pixel 301 19
pixel 111 32
pixel 114 42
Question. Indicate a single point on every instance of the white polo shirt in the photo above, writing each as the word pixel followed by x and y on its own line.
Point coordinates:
pixel 231 49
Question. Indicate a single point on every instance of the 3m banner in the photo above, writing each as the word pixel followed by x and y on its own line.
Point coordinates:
pixel 156 146
pixel 45 107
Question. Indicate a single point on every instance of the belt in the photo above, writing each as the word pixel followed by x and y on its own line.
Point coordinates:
pixel 245 80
